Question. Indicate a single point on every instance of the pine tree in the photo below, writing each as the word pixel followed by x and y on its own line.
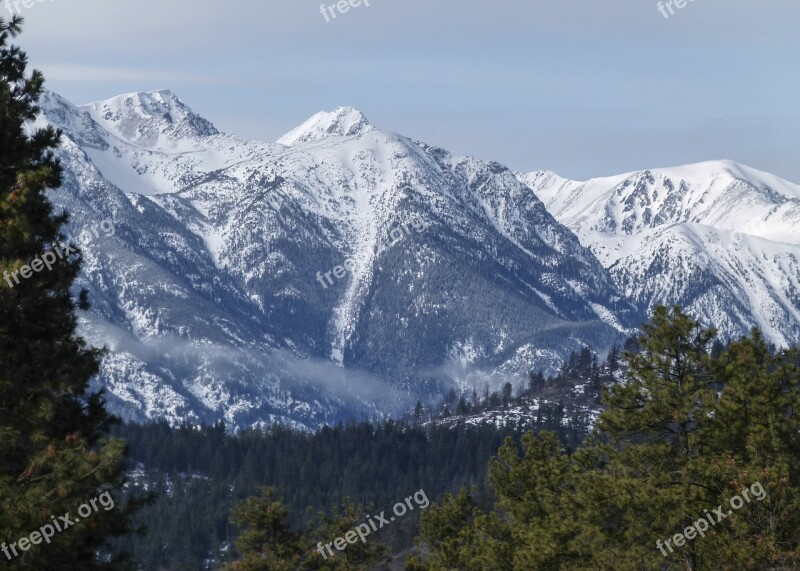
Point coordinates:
pixel 585 362
pixel 507 390
pixel 613 359
pixel 418 411
pixel 657 423
pixel 267 543
pixel 361 555
pixel 452 537
pixel 536 497
pixel 680 438
pixel 756 430
pixel 536 381
pixel 53 453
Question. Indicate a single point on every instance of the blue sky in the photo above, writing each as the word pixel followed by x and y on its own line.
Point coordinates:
pixel 582 87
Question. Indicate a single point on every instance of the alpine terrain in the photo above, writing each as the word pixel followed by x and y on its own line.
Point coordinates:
pixel 718 238
pixel 341 272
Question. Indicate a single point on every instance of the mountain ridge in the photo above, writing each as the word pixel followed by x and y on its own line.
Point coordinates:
pixel 208 293
pixel 717 237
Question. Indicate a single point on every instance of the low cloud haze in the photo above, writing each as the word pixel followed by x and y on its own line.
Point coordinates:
pixel 304 379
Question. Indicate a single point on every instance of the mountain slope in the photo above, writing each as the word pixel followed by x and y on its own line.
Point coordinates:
pixel 719 238
pixel 346 272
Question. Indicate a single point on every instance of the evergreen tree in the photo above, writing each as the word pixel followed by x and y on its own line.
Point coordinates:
pixel 536 381
pixel 585 362
pixel 717 348
pixel 631 346
pixel 682 437
pixel 452 538
pixel 613 359
pixel 507 390
pixel 659 439
pixel 756 432
pixel 267 543
pixel 356 556
pixel 536 494
pixel 53 453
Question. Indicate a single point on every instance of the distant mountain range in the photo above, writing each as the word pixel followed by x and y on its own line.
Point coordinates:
pixel 718 238
pixel 345 271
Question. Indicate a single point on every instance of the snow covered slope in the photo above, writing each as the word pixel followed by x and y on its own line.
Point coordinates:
pixel 719 238
pixel 344 271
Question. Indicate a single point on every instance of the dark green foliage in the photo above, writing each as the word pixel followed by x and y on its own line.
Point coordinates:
pixel 54 455
pixel 689 429
pixel 207 471
pixel 267 543
pixel 536 381
pixel 507 388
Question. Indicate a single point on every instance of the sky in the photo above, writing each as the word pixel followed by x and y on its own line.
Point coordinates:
pixel 585 88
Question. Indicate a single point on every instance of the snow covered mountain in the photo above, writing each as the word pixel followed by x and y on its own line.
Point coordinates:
pixel 718 238
pixel 343 271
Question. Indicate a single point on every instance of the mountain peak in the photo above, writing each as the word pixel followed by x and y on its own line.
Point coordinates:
pixel 341 122
pixel 757 178
pixel 146 116
pixel 145 103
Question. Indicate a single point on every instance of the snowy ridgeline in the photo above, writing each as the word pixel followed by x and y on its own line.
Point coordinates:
pixel 208 293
